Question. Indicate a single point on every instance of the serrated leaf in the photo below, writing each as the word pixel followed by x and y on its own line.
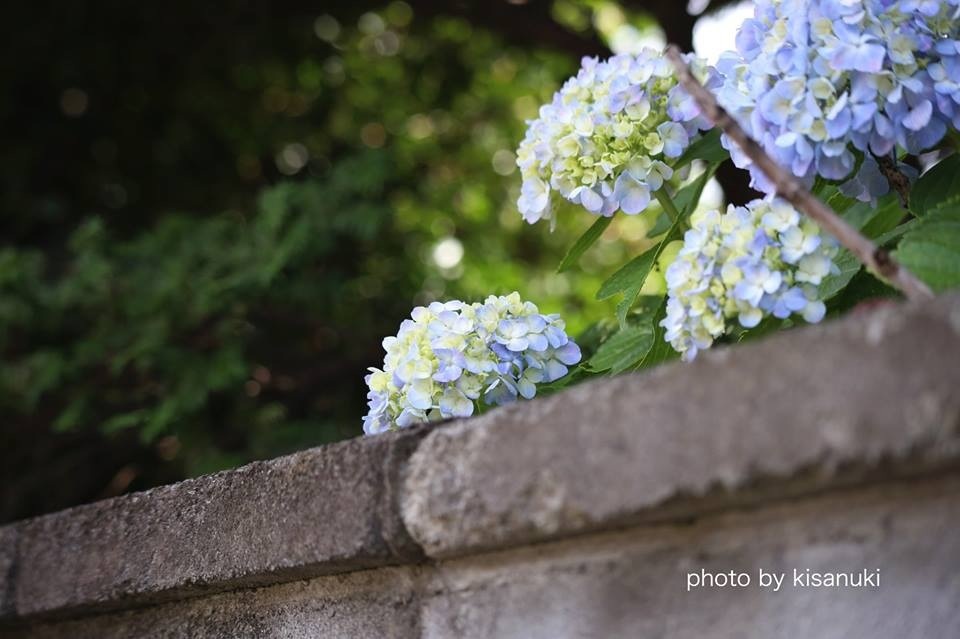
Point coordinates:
pixel 628 275
pixel 627 347
pixel 937 188
pixel 644 303
pixel 623 349
pixel 931 250
pixel 707 148
pixel 584 242
pixel 849 266
pixel 661 350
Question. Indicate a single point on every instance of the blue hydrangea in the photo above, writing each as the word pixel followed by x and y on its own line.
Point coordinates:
pixel 828 86
pixel 610 136
pixel 449 356
pixel 750 262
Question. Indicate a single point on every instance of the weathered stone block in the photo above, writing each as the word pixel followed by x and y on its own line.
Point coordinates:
pixel 321 511
pixel 629 583
pixel 874 394
pixel 633 583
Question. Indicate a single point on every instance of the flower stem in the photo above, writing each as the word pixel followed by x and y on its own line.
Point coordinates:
pixel 668 206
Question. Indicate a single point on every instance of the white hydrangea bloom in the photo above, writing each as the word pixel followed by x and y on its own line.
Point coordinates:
pixel 448 356
pixel 609 138
pixel 750 262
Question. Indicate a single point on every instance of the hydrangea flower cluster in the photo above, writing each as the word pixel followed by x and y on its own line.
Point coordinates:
pixel 607 140
pixel 823 83
pixel 449 355
pixel 761 259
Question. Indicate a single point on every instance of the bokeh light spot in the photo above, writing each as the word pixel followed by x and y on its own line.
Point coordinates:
pixel 292 158
pixel 525 107
pixel 504 162
pixel 371 24
pixel 448 253
pixel 333 67
pixel 327 28
pixel 387 43
pixel 420 126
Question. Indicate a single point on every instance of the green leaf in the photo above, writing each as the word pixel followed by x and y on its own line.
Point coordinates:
pixel 888 237
pixel 837 200
pixel 661 351
pixel 584 242
pixel 857 215
pixel 661 226
pixel 888 215
pixel 932 249
pixel 688 197
pixel 823 189
pixel 124 420
pixel 874 221
pixel 707 148
pixel 623 349
pixel 627 348
pixel 849 266
pixel 878 223
pixel 70 417
pixel 630 278
pixel 864 286
pixel 646 305
pixel 937 188
pixel 630 275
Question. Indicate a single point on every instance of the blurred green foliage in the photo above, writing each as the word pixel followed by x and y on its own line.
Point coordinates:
pixel 210 221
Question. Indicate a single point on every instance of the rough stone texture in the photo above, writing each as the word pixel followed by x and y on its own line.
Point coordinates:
pixel 633 584
pixel 377 603
pixel 626 584
pixel 321 511
pixel 876 394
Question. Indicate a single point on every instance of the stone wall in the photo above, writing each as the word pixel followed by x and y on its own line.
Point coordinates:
pixel 833 448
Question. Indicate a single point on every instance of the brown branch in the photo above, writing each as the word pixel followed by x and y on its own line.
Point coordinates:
pixel 897 180
pixel 790 189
